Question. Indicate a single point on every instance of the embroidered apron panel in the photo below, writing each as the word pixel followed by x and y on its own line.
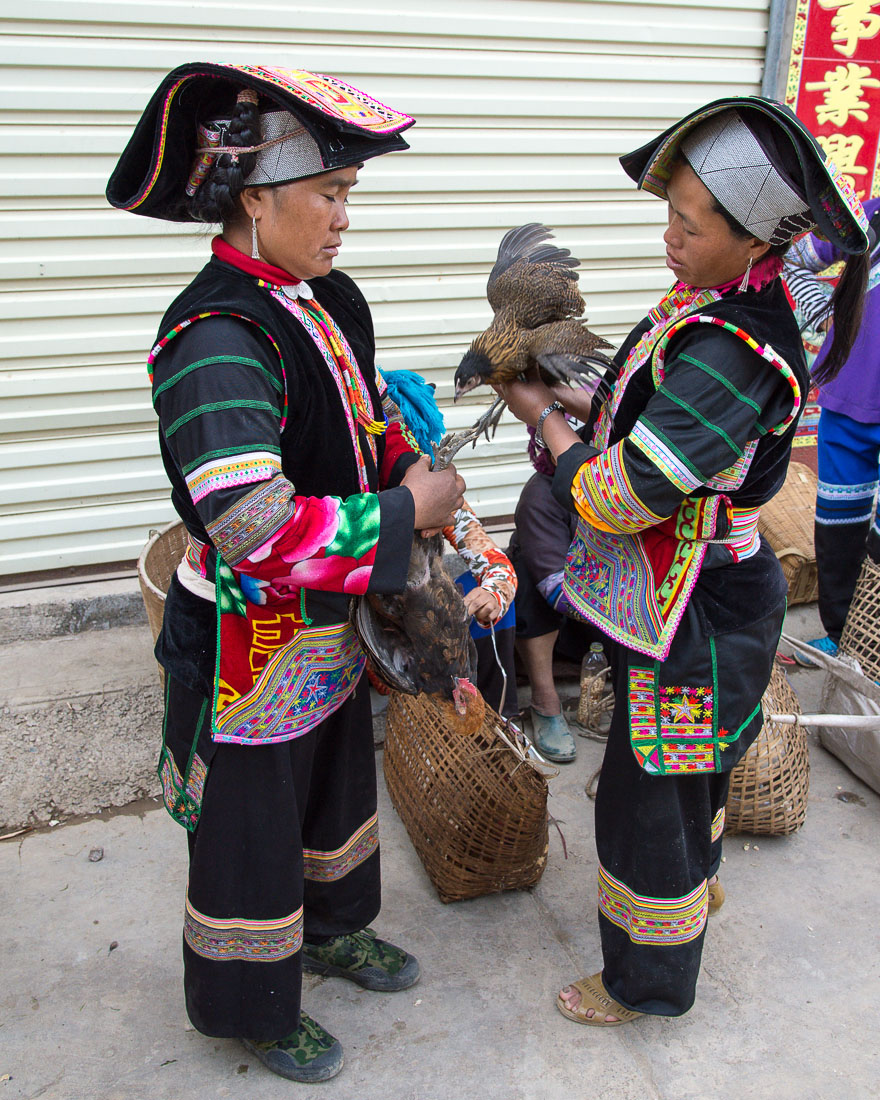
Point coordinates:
pixel 635 588
pixel 276 677
pixel 699 710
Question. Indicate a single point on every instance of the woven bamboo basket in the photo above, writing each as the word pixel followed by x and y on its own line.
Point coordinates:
pixel 769 786
pixel 861 634
pixel 786 525
pixel 156 565
pixel 474 806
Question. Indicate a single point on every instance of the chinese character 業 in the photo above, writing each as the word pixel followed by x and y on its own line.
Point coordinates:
pixel 843 87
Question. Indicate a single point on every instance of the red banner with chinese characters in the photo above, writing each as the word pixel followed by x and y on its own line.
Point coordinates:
pixel 834 84
pixel 833 87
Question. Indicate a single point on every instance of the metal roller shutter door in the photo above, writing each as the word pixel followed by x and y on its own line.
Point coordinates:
pixel 523 107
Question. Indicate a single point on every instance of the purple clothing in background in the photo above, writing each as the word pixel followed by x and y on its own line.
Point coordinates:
pixel 855 392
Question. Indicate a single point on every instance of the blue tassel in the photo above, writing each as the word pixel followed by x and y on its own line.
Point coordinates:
pixel 415 399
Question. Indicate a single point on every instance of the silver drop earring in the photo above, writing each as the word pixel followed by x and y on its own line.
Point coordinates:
pixel 744 284
pixel 255 248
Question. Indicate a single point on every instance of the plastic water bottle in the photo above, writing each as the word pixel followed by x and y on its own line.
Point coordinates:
pixel 593 674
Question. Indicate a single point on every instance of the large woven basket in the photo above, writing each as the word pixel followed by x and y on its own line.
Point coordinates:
pixel 474 808
pixel 156 565
pixel 770 785
pixel 786 525
pixel 861 634
pixel 859 749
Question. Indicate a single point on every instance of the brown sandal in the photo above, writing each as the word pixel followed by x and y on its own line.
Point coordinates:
pixel 716 896
pixel 594 995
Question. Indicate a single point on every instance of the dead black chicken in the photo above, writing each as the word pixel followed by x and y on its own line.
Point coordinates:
pixel 533 292
pixel 419 640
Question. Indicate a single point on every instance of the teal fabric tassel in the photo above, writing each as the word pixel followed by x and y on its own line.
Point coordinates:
pixel 415 399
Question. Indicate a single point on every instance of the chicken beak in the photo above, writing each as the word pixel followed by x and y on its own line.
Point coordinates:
pixel 461 388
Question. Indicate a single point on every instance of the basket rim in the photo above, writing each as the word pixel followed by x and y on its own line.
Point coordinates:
pixel 143 576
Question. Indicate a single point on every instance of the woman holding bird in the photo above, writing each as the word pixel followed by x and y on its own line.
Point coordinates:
pixel 299 488
pixel 667 560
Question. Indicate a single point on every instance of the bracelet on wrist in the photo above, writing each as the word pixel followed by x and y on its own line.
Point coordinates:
pixel 557 406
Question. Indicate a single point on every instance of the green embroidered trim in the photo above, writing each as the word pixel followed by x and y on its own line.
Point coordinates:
pixel 715 702
pixel 195 743
pixel 750 718
pixel 224 452
pixel 728 385
pixel 676 400
pixel 302 608
pixel 181 806
pixel 218 406
pixel 211 360
pixel 683 458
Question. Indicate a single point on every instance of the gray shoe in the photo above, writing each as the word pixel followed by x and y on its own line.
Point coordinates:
pixel 552 737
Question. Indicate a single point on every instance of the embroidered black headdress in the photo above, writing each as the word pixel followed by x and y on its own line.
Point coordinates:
pixel 764 167
pixel 314 123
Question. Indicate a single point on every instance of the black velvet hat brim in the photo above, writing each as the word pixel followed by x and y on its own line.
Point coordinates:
pixel 151 174
pixel 836 209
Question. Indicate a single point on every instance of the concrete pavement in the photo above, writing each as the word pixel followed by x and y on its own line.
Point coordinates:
pixel 91 1005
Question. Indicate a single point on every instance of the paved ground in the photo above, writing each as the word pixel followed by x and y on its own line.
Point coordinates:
pixel 91 1005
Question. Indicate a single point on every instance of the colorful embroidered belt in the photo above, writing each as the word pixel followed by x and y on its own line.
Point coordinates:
pixel 635 588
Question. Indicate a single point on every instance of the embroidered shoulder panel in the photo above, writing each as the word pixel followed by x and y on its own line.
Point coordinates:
pixel 658 369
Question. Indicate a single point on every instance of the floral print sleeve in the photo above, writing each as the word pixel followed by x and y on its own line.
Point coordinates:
pixel 491 568
pixel 221 420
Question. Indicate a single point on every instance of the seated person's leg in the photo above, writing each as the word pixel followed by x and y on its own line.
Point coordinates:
pixel 490 678
pixel 538 549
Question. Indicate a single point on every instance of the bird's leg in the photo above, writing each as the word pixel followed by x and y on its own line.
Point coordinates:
pixel 452 443
pixel 492 418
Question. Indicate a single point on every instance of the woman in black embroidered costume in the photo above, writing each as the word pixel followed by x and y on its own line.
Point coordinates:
pixel 299 487
pixel 666 559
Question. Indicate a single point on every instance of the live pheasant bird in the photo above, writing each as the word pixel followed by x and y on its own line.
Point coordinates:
pixel 533 292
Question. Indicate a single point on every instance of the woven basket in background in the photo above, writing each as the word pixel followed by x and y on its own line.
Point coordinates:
pixel 770 785
pixel 861 634
pixel 859 749
pixel 474 808
pixel 156 565
pixel 786 525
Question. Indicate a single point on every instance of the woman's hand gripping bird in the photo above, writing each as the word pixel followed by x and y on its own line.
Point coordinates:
pixel 533 292
pixel 419 639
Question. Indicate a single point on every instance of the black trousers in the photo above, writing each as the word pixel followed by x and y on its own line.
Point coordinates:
pixel 283 846
pixel 654 840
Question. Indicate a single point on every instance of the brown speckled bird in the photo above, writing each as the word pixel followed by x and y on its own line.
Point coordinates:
pixel 533 292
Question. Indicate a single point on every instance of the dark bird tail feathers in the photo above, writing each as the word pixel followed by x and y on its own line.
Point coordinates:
pixel 526 242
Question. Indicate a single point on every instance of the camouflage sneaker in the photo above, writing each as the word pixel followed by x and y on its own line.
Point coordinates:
pixel 308 1054
pixel 363 958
